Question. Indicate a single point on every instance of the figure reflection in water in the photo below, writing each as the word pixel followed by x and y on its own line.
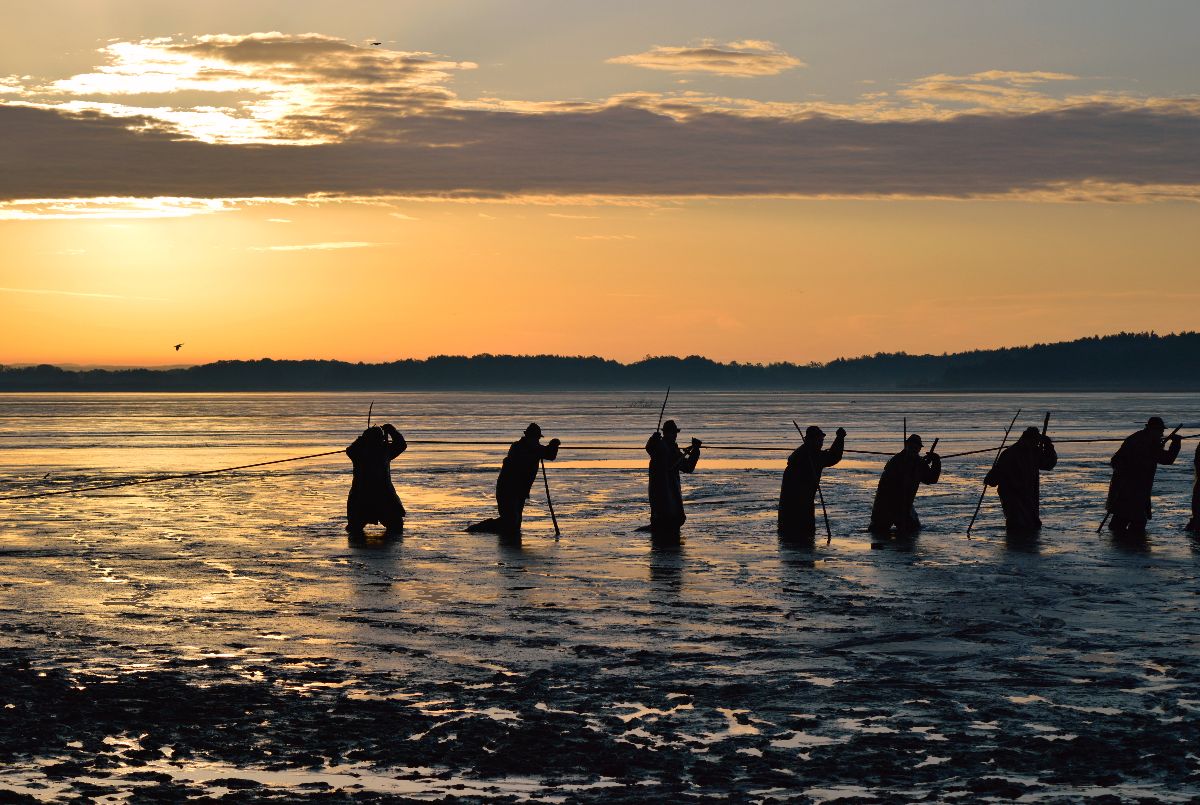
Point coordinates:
pixel 1134 466
pixel 667 460
pixel 902 477
pixel 516 478
pixel 797 514
pixel 1017 476
pixel 372 497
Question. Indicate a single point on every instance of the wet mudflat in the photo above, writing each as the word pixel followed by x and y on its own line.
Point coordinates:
pixel 219 638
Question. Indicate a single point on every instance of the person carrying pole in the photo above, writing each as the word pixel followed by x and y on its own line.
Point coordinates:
pixel 1017 476
pixel 1134 466
pixel 801 479
pixel 372 497
pixel 517 474
pixel 667 460
pixel 902 477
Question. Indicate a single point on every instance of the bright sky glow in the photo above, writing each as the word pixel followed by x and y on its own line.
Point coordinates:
pixel 784 181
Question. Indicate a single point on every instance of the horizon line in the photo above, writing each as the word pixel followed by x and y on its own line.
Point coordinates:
pixel 580 356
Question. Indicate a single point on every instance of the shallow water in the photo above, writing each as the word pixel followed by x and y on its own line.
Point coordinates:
pixel 219 634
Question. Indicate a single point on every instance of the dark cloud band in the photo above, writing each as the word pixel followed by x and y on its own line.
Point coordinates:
pixel 617 150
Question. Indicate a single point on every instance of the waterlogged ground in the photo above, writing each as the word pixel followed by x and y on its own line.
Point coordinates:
pixel 219 638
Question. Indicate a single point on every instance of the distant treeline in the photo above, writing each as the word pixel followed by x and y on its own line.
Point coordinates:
pixel 1124 362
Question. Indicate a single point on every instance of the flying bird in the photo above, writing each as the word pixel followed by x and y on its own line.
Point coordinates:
pixel 177 346
pixel 376 43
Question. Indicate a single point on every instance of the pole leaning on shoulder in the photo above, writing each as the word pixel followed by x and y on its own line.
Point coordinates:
pixel 820 494
pixel 983 491
pixel 662 410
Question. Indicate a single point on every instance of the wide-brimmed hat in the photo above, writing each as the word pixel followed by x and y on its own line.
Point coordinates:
pixel 534 429
pixel 670 425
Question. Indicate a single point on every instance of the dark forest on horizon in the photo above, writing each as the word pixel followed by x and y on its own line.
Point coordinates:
pixel 1122 362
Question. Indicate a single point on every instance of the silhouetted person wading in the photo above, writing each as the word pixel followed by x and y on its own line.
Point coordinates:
pixel 372 497
pixel 1017 476
pixel 902 477
pixel 1134 466
pixel 797 515
pixel 667 460
pixel 516 478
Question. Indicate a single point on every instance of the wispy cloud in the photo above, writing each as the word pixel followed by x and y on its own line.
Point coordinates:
pixel 105 207
pixel 402 217
pixel 319 247
pixel 993 89
pixel 87 295
pixel 746 58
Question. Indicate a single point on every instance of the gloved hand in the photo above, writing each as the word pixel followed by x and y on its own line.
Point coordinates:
pixel 555 442
pixel 696 442
pixel 841 433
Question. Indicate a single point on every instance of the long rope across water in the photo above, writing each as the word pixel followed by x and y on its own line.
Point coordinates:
pixel 467 443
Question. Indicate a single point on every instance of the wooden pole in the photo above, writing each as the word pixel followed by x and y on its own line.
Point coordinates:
pixel 549 500
pixel 820 494
pixel 983 492
pixel 662 410
pixel 370 411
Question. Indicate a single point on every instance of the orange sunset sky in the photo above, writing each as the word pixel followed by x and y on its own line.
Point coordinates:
pixel 758 182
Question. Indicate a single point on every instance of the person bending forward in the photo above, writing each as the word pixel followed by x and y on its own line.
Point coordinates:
pixel 1134 466
pixel 902 477
pixel 1017 476
pixel 517 475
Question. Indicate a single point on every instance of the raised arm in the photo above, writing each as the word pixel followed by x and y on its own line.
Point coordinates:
pixel 397 445
pixel 1171 451
pixel 834 454
pixel 932 469
pixel 687 462
pixel 1048 458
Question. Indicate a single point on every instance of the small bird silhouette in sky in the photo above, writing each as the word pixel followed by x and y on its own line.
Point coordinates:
pixel 177 346
pixel 376 43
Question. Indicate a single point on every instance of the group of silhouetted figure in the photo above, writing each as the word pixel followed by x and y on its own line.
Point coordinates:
pixel 1015 473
